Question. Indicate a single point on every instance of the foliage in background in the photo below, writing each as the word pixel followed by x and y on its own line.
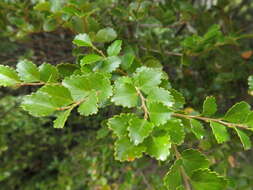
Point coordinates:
pixel 144 57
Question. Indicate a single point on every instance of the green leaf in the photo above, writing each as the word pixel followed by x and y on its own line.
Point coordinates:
pixel 178 97
pixel 127 60
pixel 209 106
pixel 147 78
pixel 191 161
pixel 42 6
pixel 8 77
pixel 114 48
pixel 89 106
pixel 194 160
pixel 61 119
pixel 125 93
pixel 119 124
pixel 249 120
pixel 158 146
pixel 27 71
pixel 244 139
pixel 91 58
pixel 173 179
pixel 159 114
pixel 48 73
pixel 38 104
pixel 82 40
pixel 50 24
pixel 106 35
pixel 126 151
pixel 71 11
pixel 139 129
pixel 81 86
pixel 58 94
pixel 66 69
pixel 204 179
pixel 238 112
pixel 220 132
pixel 161 95
pixel 197 128
pixel 175 130
pixel 109 64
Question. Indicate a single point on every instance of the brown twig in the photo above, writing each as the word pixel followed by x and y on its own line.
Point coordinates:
pixel 165 52
pixel 34 84
pixel 206 119
pixel 143 103
pixel 99 51
pixel 70 106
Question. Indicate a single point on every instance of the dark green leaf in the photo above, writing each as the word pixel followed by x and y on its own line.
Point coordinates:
pixel 178 97
pixel 220 132
pixel 50 24
pixel 244 138
pixel 197 128
pixel 204 179
pixel 175 130
pixel 173 178
pixel 194 160
pixel 66 69
pixel 209 106
pixel 127 60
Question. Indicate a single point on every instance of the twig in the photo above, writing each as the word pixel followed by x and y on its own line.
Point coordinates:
pixel 206 119
pixel 143 103
pixel 99 51
pixel 34 84
pixel 71 106
pixel 165 52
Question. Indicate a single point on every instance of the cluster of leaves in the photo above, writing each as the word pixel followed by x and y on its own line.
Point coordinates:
pixel 154 123
pixel 154 118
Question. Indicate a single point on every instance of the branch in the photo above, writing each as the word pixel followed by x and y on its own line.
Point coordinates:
pixel 99 51
pixel 165 52
pixel 143 103
pixel 206 119
pixel 71 106
pixel 31 84
pixel 34 84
